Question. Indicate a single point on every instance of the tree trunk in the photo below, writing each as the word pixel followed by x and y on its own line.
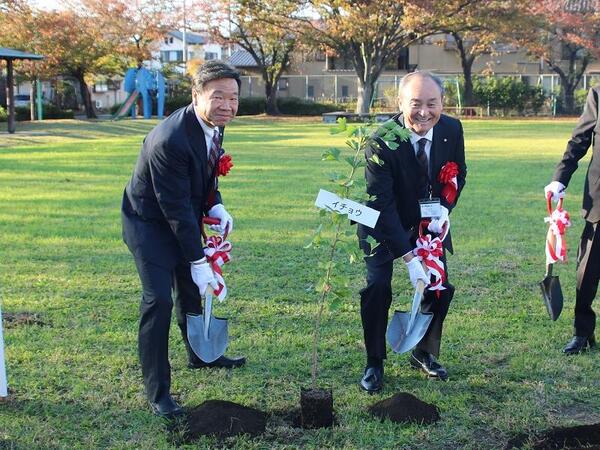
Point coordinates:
pixel 271 93
pixel 466 62
pixel 468 99
pixel 365 95
pixel 87 98
pixel 568 97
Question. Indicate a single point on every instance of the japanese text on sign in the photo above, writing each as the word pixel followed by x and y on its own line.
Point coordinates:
pixel 355 211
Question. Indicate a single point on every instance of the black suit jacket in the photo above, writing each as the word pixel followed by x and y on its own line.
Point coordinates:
pixel 584 135
pixel 166 196
pixel 394 185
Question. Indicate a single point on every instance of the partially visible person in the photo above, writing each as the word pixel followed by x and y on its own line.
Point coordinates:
pixel 408 174
pixel 172 188
pixel 585 135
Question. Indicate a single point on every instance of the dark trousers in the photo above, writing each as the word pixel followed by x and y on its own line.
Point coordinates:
pixel 588 274
pixel 155 320
pixel 375 301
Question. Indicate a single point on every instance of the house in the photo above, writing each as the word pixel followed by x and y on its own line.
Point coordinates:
pixel 319 75
pixel 171 50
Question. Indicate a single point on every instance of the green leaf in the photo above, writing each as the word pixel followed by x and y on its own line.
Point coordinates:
pixel 316 238
pixel 353 144
pixel 403 133
pixel 331 154
pixel 351 160
pixel 335 176
pixel 376 159
pixel 335 303
pixel 372 241
pixel 341 126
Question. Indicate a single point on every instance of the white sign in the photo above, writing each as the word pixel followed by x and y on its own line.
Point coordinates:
pixel 3 383
pixel 355 211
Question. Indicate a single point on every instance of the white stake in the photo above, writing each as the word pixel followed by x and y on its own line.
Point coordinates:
pixel 3 383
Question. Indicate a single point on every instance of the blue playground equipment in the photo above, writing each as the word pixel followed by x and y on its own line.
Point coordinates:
pixel 145 83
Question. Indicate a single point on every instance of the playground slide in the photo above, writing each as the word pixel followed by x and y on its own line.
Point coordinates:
pixel 126 106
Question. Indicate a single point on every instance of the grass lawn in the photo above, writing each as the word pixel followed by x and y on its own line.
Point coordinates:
pixel 75 379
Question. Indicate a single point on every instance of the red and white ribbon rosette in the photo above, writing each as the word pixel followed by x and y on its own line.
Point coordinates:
pixel 447 177
pixel 217 250
pixel 559 220
pixel 429 250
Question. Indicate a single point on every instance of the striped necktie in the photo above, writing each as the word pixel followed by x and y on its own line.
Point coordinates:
pixel 213 154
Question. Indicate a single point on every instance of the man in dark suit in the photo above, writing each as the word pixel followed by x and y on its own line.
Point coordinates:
pixel 173 186
pixel 399 179
pixel 584 135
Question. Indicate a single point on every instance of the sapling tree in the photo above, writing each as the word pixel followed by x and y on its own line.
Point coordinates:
pixel 334 286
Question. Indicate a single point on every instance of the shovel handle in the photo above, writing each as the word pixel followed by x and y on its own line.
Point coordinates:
pixel 212 221
pixel 549 203
pixel 420 286
pixel 207 309
pixel 425 223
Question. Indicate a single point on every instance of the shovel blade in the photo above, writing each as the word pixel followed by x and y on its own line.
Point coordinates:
pixel 404 336
pixel 552 295
pixel 211 345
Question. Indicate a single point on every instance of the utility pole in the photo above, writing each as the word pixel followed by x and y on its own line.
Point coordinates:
pixel 185 52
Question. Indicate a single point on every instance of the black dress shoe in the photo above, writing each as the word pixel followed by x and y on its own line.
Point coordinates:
pixel 372 380
pixel 222 362
pixel 427 363
pixel 579 344
pixel 166 407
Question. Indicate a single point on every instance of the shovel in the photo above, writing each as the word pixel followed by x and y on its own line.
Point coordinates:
pixel 208 336
pixel 550 285
pixel 406 330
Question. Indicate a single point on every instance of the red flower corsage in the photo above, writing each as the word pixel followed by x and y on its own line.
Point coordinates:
pixel 447 177
pixel 225 164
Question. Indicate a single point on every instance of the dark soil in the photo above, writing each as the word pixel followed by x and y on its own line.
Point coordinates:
pixel 405 407
pixel 12 320
pixel 222 419
pixel 316 407
pixel 571 438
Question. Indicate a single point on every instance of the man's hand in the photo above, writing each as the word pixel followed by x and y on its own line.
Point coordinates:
pixel 437 225
pixel 203 275
pixel 416 272
pixel 219 212
pixel 557 189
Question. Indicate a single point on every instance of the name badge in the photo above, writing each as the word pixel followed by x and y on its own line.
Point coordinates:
pixel 430 208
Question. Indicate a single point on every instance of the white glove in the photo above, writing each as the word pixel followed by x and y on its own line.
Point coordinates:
pixel 203 275
pixel 416 272
pixel 437 225
pixel 557 189
pixel 219 212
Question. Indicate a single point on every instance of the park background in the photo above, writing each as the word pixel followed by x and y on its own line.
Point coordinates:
pixel 70 293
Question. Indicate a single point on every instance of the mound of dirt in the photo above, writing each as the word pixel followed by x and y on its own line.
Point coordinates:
pixel 223 419
pixel 571 438
pixel 404 407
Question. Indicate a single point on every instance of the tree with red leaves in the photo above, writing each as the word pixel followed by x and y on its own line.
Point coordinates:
pixel 567 40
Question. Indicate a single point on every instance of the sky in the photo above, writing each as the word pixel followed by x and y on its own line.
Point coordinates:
pixel 46 4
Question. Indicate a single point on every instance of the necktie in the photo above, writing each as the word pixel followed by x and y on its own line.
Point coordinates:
pixel 423 169
pixel 213 158
pixel 213 154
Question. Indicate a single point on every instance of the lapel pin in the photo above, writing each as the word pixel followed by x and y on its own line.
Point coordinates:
pixel 445 140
